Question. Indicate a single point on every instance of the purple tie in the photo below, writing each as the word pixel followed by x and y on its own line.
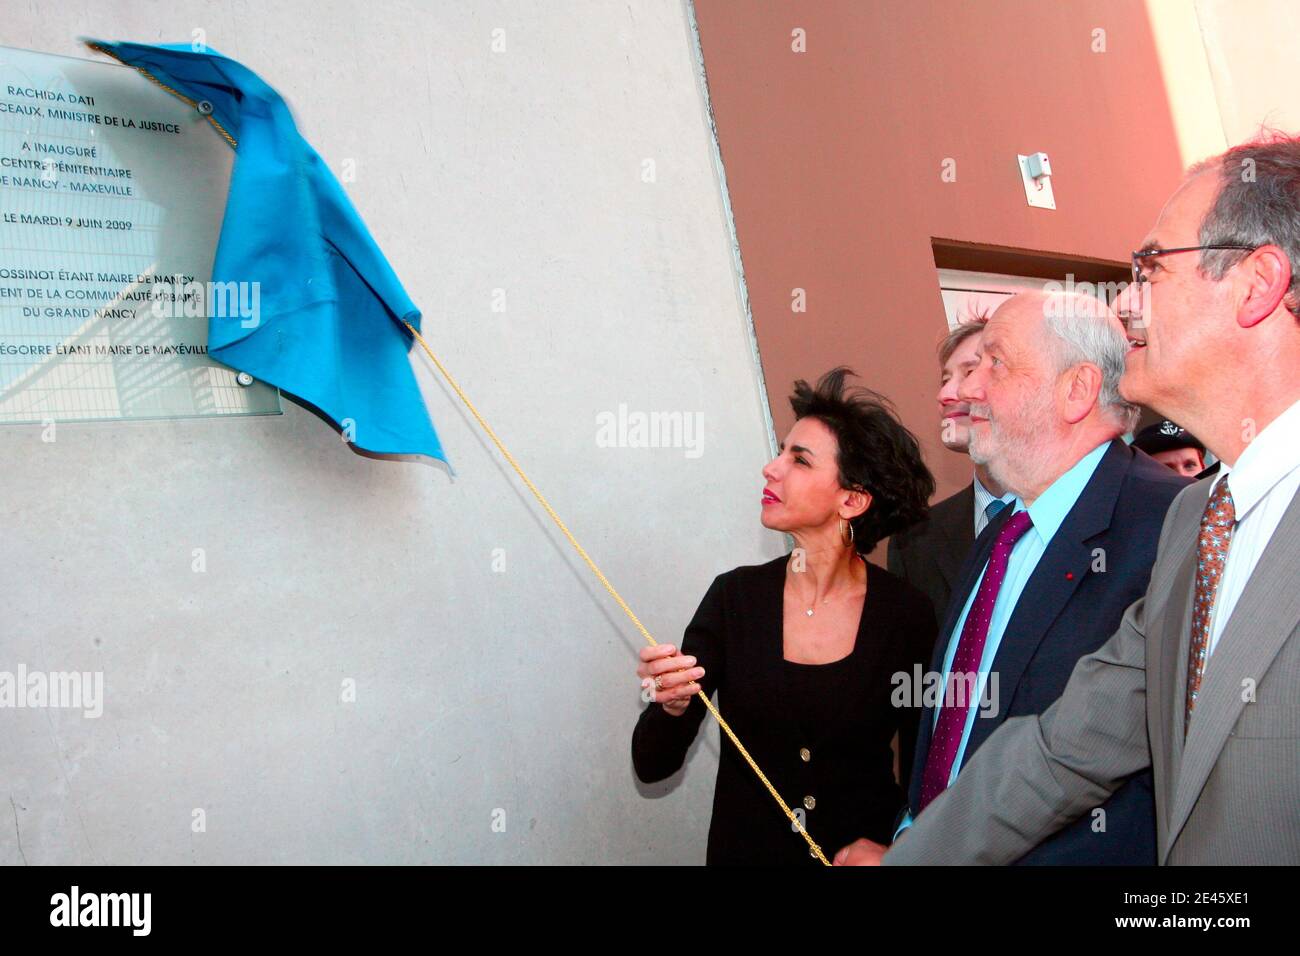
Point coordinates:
pixel 970 649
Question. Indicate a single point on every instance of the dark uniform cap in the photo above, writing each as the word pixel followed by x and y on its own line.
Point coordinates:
pixel 1165 436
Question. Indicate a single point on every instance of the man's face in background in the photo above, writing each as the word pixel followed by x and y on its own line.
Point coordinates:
pixel 955 423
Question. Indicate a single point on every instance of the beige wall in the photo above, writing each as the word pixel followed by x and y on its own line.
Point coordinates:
pixel 1251 49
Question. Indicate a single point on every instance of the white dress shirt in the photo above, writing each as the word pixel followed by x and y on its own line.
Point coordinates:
pixel 1263 482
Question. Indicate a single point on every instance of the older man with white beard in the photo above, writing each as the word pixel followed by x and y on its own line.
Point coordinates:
pixel 1050 577
pixel 929 554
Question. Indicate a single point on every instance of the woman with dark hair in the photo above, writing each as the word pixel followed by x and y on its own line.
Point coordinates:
pixel 803 650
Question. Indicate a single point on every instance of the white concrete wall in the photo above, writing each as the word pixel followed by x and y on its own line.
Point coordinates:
pixel 476 690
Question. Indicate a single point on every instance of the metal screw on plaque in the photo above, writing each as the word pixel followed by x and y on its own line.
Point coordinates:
pixel 205 108
pixel 244 379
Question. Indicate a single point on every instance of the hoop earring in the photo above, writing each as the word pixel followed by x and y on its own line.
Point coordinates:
pixel 848 543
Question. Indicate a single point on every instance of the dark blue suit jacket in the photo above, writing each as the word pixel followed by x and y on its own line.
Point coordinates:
pixel 1067 610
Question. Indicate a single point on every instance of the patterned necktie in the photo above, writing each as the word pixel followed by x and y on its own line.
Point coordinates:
pixel 1211 552
pixel 970 649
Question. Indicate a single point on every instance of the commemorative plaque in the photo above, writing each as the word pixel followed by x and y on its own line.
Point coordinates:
pixel 112 192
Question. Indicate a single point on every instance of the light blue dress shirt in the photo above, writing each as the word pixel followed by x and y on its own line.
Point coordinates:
pixel 1047 513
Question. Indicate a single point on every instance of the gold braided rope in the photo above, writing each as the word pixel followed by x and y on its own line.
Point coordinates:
pixel 177 93
pixel 794 820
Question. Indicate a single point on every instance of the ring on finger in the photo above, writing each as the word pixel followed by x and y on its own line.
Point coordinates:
pixel 659 683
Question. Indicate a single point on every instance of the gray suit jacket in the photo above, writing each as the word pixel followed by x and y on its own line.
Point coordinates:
pixel 1230 794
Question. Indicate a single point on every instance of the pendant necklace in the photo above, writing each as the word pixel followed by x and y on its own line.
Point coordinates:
pixel 809 612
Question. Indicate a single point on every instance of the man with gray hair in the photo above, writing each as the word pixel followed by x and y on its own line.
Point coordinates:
pixel 1050 577
pixel 1198 682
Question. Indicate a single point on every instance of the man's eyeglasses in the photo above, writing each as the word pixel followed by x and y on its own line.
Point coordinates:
pixel 1136 259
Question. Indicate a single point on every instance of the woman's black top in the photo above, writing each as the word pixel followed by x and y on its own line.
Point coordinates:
pixel 820 732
